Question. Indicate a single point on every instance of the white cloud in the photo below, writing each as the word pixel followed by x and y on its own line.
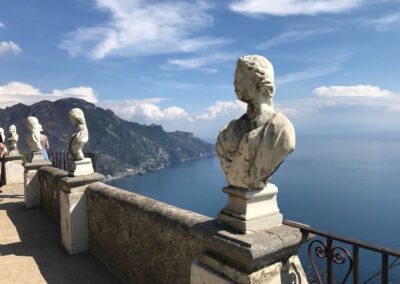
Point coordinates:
pixel 358 95
pixel 361 91
pixel 18 92
pixel 309 73
pixel 145 110
pixel 347 108
pixel 386 23
pixel 361 96
pixel 200 62
pixel 142 27
pixel 292 36
pixel 223 108
pixel 9 47
pixel 319 65
pixel 293 7
pixel 2 25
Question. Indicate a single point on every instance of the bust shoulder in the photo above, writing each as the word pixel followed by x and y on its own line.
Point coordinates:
pixel 284 134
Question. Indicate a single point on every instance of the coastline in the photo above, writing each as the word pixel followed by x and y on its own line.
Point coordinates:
pixel 141 171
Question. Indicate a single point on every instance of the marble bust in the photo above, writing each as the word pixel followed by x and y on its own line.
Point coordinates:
pixel 252 147
pixel 13 139
pixel 79 139
pixel 33 139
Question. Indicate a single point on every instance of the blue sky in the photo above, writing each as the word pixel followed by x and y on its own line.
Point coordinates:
pixel 336 62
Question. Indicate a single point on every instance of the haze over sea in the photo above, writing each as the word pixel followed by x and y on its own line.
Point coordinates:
pixel 345 184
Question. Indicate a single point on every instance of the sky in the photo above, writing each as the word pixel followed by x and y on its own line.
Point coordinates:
pixel 337 62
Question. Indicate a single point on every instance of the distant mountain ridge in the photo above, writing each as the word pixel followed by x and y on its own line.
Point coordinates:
pixel 120 146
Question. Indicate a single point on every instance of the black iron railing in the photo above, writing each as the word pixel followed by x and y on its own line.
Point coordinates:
pixel 326 248
pixel 60 159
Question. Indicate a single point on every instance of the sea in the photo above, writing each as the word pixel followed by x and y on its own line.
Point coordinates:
pixel 346 184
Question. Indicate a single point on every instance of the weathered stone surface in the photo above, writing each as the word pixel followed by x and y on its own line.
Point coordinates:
pixel 37 157
pixel 31 183
pixel 146 241
pixel 37 165
pixel 33 139
pixel 73 220
pixel 81 168
pixel 210 270
pixel 250 252
pixel 50 187
pixel 31 189
pixel 74 212
pixel 249 211
pixel 140 239
pixel 201 274
pixel 13 169
pixel 69 183
pixel 13 140
pixel 79 139
pixel 252 147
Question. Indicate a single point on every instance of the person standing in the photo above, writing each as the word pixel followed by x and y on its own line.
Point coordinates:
pixel 3 147
pixel 3 152
pixel 44 141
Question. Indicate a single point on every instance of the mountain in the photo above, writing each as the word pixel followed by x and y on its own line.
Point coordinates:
pixel 120 146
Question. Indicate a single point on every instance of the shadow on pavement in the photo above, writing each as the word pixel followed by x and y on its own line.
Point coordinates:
pixel 40 238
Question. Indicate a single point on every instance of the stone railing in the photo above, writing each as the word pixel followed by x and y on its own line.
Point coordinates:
pixel 50 183
pixel 142 240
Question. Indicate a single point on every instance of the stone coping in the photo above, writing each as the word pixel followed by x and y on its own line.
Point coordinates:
pixel 269 190
pixel 12 158
pixel 251 252
pixel 36 165
pixel 53 171
pixel 247 252
pixel 71 182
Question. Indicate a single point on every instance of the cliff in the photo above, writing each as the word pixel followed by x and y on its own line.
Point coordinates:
pixel 121 147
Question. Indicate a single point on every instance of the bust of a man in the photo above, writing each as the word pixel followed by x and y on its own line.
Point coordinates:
pixel 253 146
pixel 13 139
pixel 33 139
pixel 79 139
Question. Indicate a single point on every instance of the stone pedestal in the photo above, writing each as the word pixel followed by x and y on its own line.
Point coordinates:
pixel 73 212
pixel 13 170
pixel 31 183
pixel 81 168
pixel 37 156
pixel 14 152
pixel 209 270
pixel 268 256
pixel 249 211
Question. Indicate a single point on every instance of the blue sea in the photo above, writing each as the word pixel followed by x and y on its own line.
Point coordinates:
pixel 346 184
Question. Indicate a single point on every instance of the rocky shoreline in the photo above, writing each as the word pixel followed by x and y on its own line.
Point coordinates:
pixel 141 171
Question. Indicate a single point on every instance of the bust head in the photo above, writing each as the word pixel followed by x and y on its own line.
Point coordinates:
pixel 76 117
pixel 254 76
pixel 12 129
pixel 32 123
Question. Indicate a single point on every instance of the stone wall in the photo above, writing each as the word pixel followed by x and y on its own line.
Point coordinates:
pixel 142 240
pixel 50 186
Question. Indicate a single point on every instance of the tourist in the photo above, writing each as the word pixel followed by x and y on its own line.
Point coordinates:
pixel 44 141
pixel 3 151
pixel 3 148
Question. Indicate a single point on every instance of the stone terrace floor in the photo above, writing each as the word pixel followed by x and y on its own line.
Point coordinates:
pixel 31 251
